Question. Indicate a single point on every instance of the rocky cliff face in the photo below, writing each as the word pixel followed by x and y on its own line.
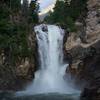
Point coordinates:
pixel 16 69
pixel 90 32
pixel 15 75
pixel 84 49
pixel 93 20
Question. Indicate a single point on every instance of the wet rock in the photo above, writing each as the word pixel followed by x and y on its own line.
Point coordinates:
pixel 91 73
pixel 90 94
pixel 44 28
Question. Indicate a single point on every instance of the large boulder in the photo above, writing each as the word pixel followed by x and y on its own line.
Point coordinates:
pixel 25 69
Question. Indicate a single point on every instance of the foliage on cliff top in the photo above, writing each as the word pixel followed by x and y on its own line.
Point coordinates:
pixel 67 13
pixel 15 22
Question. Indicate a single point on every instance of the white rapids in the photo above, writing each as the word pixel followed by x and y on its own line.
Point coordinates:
pixel 50 77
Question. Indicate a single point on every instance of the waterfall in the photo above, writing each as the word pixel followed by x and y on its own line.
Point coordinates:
pixel 50 76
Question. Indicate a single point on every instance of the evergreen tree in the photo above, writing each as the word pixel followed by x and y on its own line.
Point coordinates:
pixel 59 11
pixel 77 7
pixel 34 9
pixel 25 8
pixel 66 13
pixel 15 5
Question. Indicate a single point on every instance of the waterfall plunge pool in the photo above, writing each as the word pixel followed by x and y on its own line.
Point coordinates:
pixel 48 96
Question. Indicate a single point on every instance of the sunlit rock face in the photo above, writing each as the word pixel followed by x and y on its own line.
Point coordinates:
pixel 86 56
pixel 93 20
pixel 24 68
pixel 91 30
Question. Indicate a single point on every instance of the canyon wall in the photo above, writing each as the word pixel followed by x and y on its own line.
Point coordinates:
pixel 16 73
pixel 83 47
pixel 18 53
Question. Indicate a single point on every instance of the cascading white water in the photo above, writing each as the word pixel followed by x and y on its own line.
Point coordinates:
pixel 50 77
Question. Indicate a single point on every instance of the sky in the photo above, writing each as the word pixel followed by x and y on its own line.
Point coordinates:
pixel 46 5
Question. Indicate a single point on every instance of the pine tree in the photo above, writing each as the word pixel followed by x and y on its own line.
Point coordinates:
pixel 25 8
pixel 34 9
pixel 15 5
